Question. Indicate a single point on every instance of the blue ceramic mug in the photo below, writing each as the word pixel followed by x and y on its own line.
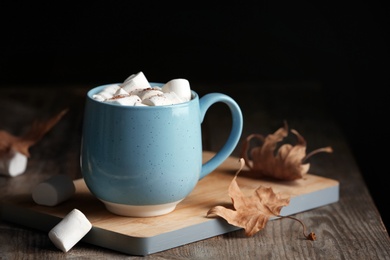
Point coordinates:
pixel 141 161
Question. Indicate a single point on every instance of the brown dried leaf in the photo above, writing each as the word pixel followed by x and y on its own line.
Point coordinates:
pixel 38 129
pixel 286 164
pixel 253 212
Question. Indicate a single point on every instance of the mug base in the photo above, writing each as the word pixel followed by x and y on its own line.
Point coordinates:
pixel 140 211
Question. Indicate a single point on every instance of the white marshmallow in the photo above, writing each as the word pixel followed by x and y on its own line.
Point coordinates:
pixel 180 86
pixel 106 93
pixel 13 164
pixel 140 104
pixel 163 99
pixel 54 190
pixel 71 229
pixel 128 100
pixel 173 98
pixel 129 78
pixel 99 97
pixel 173 92
pixel 147 93
pixel 135 81
pixel 121 92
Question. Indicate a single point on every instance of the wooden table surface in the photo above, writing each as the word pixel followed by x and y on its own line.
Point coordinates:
pixel 348 229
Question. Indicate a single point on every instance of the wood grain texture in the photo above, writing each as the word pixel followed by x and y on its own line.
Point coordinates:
pixel 188 221
pixel 349 229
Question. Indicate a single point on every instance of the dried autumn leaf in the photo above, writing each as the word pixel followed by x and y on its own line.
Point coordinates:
pixel 289 161
pixel 10 143
pixel 253 212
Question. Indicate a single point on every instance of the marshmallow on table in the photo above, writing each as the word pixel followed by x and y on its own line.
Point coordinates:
pixel 70 230
pixel 13 164
pixel 180 86
pixel 53 191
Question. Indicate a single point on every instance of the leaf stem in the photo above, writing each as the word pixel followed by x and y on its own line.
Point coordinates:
pixel 319 150
pixel 311 236
pixel 242 164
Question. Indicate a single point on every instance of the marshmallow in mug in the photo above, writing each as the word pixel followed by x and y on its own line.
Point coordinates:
pixel 135 81
pixel 126 100
pixel 181 87
pixel 107 93
pixel 136 91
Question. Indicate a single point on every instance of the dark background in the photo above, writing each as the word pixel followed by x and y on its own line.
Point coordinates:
pixel 342 47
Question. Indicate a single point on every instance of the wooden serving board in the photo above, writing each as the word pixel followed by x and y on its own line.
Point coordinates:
pixel 186 224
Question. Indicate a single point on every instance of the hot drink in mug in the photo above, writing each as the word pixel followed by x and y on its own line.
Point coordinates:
pixel 142 159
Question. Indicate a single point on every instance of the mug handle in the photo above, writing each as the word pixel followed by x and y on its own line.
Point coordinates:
pixel 237 123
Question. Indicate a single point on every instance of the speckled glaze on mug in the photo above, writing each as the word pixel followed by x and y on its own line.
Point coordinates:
pixel 141 161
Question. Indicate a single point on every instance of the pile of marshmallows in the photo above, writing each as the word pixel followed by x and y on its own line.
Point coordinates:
pixel 137 91
pixel 134 91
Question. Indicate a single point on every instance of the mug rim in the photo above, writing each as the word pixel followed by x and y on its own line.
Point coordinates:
pixel 96 89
